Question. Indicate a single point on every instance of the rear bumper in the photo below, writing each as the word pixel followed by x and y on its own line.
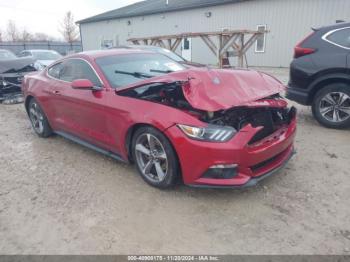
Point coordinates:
pixel 298 95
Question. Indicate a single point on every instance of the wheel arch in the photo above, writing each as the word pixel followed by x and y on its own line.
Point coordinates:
pixel 129 136
pixel 323 81
pixel 27 101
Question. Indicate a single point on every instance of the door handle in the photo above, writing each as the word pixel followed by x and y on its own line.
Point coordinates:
pixel 56 92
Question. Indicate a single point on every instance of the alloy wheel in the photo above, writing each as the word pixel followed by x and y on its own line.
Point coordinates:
pixel 37 118
pixel 151 157
pixel 335 107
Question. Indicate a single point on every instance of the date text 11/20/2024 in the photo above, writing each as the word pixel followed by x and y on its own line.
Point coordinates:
pixel 173 258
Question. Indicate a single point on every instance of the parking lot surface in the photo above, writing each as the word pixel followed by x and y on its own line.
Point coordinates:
pixel 57 197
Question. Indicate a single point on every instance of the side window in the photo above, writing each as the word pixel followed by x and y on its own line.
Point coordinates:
pixel 23 54
pixel 340 37
pixel 78 69
pixel 55 70
pixel 260 41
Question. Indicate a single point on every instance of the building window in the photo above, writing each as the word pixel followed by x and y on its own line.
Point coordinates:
pixel 106 44
pixel 186 44
pixel 260 41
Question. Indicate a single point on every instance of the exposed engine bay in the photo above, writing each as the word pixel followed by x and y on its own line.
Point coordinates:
pixel 171 94
pixel 11 76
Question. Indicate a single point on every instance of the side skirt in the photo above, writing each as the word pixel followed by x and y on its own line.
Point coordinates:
pixel 90 146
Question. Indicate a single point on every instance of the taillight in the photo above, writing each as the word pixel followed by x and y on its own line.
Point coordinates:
pixel 301 51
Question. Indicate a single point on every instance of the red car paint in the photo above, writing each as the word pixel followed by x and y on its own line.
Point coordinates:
pixel 233 88
pixel 105 118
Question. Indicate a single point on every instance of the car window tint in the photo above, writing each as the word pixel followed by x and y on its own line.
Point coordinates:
pixel 340 37
pixel 78 69
pixel 55 70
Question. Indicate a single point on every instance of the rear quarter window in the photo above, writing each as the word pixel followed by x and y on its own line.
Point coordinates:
pixel 339 37
pixel 55 70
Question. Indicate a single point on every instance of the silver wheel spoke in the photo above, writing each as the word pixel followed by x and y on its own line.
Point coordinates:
pixel 342 98
pixel 141 148
pixel 336 115
pixel 150 142
pixel 148 167
pixel 33 112
pixel 162 155
pixel 329 99
pixel 160 172
pixel 326 110
pixel 40 126
pixel 345 110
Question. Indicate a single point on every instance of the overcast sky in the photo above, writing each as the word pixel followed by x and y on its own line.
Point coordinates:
pixel 45 15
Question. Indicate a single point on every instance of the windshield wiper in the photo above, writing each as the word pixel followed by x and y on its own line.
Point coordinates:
pixel 161 71
pixel 134 74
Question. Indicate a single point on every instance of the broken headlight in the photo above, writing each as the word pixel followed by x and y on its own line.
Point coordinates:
pixel 211 133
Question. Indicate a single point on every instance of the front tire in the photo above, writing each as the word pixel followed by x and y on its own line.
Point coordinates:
pixel 331 106
pixel 155 158
pixel 38 119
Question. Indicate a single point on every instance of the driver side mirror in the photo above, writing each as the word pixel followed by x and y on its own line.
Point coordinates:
pixel 84 84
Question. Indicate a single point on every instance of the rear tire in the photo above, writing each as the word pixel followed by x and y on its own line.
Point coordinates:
pixel 155 158
pixel 38 119
pixel 331 106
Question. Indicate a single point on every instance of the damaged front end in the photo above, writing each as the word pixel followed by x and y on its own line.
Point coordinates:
pixel 11 76
pixel 246 133
pixel 268 114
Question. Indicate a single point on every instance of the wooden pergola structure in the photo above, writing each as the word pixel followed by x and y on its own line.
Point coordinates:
pixel 236 42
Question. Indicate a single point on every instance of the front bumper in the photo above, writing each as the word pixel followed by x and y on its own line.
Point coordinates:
pixel 255 162
pixel 253 181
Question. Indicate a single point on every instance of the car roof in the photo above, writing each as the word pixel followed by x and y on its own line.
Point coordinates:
pixel 39 50
pixel 333 26
pixel 146 47
pixel 94 54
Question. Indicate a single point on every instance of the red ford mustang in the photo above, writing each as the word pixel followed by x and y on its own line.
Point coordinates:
pixel 213 128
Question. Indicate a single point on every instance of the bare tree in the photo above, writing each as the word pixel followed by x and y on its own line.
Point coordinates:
pixel 68 28
pixel 12 31
pixel 25 35
pixel 41 37
pixel 1 36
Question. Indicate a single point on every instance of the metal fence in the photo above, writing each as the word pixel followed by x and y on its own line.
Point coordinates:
pixel 63 48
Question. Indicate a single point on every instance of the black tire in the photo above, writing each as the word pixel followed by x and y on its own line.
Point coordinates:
pixel 43 128
pixel 172 167
pixel 319 103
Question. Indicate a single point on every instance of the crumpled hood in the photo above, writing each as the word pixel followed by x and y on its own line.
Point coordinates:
pixel 15 64
pixel 218 89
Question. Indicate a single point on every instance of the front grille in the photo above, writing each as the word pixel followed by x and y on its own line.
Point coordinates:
pixel 271 120
pixel 265 120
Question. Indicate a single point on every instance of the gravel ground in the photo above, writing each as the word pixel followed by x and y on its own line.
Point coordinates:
pixel 57 197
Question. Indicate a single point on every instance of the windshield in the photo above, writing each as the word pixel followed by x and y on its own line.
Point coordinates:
pixel 171 54
pixel 46 55
pixel 4 55
pixel 122 70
